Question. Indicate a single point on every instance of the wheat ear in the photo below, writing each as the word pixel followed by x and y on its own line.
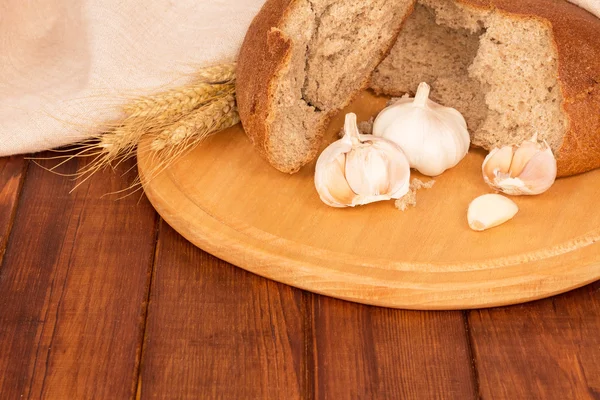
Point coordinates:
pixel 217 74
pixel 208 83
pixel 176 120
pixel 175 103
pixel 199 124
pixel 175 141
pixel 156 114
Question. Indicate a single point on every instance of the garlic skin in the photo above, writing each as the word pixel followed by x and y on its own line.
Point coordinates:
pixel 489 211
pixel 360 169
pixel 528 169
pixel 433 137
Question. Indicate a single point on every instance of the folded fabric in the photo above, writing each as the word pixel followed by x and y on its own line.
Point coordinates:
pixel 592 6
pixel 66 66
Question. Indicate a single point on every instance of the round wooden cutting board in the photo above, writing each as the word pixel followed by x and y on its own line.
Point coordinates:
pixel 225 199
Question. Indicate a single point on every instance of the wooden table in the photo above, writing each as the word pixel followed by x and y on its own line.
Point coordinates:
pixel 101 299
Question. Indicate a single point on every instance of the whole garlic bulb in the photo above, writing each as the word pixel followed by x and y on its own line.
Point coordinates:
pixel 360 169
pixel 527 169
pixel 433 137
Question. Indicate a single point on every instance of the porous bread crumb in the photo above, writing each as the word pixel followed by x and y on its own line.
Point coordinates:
pixel 500 72
pixel 410 199
pixel 366 127
pixel 395 99
pixel 335 45
pixel 417 184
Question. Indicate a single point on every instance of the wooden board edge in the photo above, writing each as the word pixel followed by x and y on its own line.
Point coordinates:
pixel 417 292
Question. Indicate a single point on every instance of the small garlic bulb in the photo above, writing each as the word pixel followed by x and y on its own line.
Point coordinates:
pixel 433 137
pixel 361 169
pixel 527 169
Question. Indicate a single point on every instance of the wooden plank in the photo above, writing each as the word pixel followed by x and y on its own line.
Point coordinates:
pixel 12 172
pixel 549 349
pixel 216 331
pixel 365 352
pixel 73 288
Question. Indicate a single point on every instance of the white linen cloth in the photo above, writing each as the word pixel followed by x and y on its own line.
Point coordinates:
pixel 65 65
pixel 592 6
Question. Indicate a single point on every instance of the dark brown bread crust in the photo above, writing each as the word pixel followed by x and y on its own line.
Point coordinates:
pixel 576 35
pixel 265 52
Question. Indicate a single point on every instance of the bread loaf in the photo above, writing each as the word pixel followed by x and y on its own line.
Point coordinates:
pixel 512 67
pixel 302 61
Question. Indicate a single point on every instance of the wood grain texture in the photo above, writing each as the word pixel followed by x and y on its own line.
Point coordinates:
pixel 549 349
pixel 215 331
pixel 12 172
pixel 73 288
pixel 225 199
pixel 364 352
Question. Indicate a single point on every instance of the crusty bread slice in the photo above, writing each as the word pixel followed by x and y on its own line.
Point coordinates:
pixel 301 62
pixel 512 67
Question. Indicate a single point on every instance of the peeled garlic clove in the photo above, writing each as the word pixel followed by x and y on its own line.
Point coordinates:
pixel 532 168
pixel 361 169
pixel 489 211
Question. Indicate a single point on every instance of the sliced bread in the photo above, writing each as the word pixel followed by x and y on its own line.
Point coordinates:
pixel 301 62
pixel 512 67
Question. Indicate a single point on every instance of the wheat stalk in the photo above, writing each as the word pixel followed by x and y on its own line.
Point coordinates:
pixel 170 142
pixel 221 73
pixel 149 115
pixel 178 139
pixel 173 104
pixel 209 83
pixel 176 121
pixel 198 124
